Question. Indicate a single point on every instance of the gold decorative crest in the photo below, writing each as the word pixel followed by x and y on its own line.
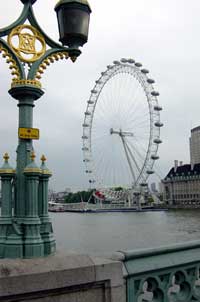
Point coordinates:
pixel 28 44
pixel 18 82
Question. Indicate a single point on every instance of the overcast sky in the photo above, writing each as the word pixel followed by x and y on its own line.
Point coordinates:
pixel 162 35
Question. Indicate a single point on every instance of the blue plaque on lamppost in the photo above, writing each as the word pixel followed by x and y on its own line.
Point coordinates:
pixel 26 230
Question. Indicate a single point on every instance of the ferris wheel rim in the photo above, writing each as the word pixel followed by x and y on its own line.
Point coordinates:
pixel 126 66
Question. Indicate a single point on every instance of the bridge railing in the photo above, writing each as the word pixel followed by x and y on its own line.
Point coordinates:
pixel 166 274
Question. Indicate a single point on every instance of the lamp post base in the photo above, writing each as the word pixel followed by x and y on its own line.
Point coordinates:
pixel 11 241
pixel 27 241
pixel 46 231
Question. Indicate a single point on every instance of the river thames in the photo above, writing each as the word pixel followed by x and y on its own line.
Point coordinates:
pixel 104 233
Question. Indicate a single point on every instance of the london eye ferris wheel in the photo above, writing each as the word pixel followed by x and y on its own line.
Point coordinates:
pixel 121 128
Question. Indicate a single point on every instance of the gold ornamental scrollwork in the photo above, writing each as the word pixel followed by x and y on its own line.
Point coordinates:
pixel 27 43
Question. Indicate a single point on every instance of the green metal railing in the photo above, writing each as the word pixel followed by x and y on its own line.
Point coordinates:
pixel 166 274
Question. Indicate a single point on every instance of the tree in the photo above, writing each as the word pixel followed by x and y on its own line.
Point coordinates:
pixel 81 196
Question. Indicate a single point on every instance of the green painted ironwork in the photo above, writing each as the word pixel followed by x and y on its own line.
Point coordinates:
pixel 166 274
pixel 25 227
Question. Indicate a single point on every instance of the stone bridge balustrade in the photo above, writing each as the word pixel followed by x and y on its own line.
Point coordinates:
pixel 164 274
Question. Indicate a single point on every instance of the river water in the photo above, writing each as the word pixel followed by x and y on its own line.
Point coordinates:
pixel 104 233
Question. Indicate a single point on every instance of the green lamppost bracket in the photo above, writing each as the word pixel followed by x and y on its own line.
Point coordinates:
pixel 25 226
pixel 26 52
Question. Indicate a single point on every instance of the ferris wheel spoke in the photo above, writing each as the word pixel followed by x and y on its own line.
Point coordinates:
pixel 104 130
pixel 103 164
pixel 142 137
pixel 136 112
pixel 140 149
pixel 141 124
pixel 102 123
pixel 104 101
pixel 158 172
pixel 125 99
pixel 99 166
pixel 141 146
pixel 94 138
pixel 102 114
pixel 135 128
pixel 103 117
pixel 134 104
pixel 135 101
pixel 140 115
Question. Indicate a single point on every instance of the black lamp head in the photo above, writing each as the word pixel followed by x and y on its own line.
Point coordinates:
pixel 73 22
pixel 28 1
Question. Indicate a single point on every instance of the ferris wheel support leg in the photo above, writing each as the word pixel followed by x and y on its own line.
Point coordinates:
pixel 138 203
pixel 128 159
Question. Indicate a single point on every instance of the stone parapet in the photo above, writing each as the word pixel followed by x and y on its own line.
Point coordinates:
pixel 61 277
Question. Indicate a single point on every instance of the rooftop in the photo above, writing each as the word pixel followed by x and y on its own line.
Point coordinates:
pixel 184 170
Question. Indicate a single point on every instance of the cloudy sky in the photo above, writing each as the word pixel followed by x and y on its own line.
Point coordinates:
pixel 163 35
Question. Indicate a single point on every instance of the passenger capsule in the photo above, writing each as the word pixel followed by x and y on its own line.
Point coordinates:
pixel 94 91
pixel 85 149
pixel 158 124
pixel 86 160
pixel 157 141
pixel 87 113
pixel 157 108
pixel 154 157
pixel 131 61
pixel 145 71
pixel 123 60
pixel 149 172
pixel 90 102
pixel 137 64
pixel 84 137
pixel 143 184
pixel 150 81
pixel 98 82
pixel 155 93
pixel 88 171
pixel 85 125
pixel 116 62
pixel 109 66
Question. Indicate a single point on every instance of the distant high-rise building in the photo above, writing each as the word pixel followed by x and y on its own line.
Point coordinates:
pixel 195 146
pixel 153 187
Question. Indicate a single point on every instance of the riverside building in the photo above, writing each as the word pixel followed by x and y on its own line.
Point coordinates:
pixel 182 185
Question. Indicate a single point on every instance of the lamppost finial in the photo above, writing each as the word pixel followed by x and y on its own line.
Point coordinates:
pixel 43 158
pixel 6 157
pixel 33 156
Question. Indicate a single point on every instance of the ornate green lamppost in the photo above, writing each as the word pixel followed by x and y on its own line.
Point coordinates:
pixel 25 227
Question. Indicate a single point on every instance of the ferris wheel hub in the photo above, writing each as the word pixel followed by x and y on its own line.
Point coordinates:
pixel 120 132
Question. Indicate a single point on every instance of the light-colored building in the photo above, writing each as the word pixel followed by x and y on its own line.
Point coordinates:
pixel 182 185
pixel 58 196
pixel 160 188
pixel 195 146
